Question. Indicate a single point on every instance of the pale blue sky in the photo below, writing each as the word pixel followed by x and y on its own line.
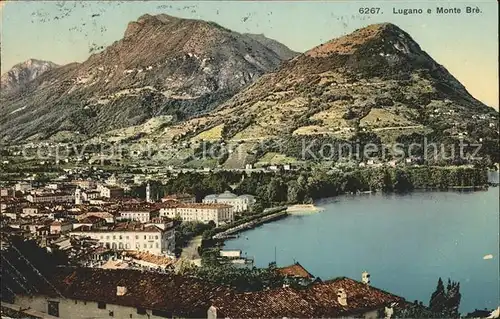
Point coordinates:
pixel 466 44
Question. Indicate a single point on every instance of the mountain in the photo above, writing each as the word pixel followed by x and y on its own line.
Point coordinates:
pixel 20 74
pixel 282 50
pixel 163 65
pixel 375 80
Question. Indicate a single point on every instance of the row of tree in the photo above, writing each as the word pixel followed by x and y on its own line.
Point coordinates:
pixel 307 185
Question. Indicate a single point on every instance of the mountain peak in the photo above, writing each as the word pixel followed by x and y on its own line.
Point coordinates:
pixel 24 72
pixel 148 19
pixel 350 43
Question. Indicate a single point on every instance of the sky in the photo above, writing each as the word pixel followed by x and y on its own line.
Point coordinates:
pixel 64 32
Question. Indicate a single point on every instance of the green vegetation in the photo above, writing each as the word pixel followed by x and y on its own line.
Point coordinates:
pixel 187 230
pixel 291 187
pixel 221 271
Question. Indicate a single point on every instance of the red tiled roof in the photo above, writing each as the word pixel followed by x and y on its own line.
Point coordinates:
pixel 178 295
pixel 295 270
pixel 318 300
pixel 122 227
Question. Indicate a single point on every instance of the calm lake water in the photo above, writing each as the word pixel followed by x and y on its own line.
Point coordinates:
pixel 404 241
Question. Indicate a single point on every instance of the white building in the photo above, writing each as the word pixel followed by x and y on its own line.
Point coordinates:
pixel 50 197
pixel 23 187
pixel 111 191
pixel 139 214
pixel 239 203
pixel 87 195
pixel 218 213
pixel 131 236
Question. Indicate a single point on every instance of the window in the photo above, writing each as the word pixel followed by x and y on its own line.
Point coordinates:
pixel 111 314
pixel 156 237
pixel 141 311
pixel 114 237
pixel 53 308
pixel 145 245
pixel 101 305
pixel 136 236
pixel 145 237
pixel 76 301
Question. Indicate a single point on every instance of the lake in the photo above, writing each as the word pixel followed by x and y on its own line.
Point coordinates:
pixel 406 242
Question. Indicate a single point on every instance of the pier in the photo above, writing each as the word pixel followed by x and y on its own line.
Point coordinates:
pixel 275 214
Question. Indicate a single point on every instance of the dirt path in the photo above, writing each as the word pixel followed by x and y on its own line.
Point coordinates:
pixel 190 252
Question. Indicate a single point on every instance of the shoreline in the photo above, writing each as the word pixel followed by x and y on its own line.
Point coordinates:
pixel 303 208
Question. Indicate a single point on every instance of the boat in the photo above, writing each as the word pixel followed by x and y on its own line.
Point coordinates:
pixel 486 257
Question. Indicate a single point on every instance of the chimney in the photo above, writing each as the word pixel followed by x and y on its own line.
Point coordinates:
pixel 389 311
pixel 121 290
pixel 342 297
pixel 365 278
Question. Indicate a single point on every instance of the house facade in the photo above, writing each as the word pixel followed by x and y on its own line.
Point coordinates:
pixel 218 213
pixel 150 238
pixel 142 215
pixel 239 203
pixel 50 197
pixel 111 191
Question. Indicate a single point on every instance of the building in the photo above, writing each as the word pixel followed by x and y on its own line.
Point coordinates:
pixel 7 192
pixel 93 222
pixel 84 184
pixel 22 187
pixel 111 191
pixel 140 214
pixel 202 212
pixel 337 298
pixel 131 236
pixel 296 271
pixel 81 293
pixel 182 198
pixel 239 203
pixel 50 197
pixel 89 194
pixel 110 218
pixel 58 227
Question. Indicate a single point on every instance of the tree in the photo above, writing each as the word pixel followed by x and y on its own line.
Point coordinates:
pixel 446 302
pixel 438 298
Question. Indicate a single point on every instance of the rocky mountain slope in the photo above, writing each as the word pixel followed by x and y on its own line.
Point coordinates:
pixel 377 79
pixel 20 74
pixel 375 82
pixel 162 66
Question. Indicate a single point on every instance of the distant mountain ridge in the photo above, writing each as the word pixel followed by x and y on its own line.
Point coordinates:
pixel 376 80
pixel 22 73
pixel 163 65
pixel 282 50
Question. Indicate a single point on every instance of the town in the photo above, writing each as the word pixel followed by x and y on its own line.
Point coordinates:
pixel 246 160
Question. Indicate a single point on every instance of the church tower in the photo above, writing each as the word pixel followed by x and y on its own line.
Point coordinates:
pixel 78 196
pixel 148 193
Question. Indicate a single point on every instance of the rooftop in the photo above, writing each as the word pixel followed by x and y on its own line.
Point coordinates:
pixel 172 204
pixel 120 227
pixel 295 270
pixel 319 300
pixel 187 297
